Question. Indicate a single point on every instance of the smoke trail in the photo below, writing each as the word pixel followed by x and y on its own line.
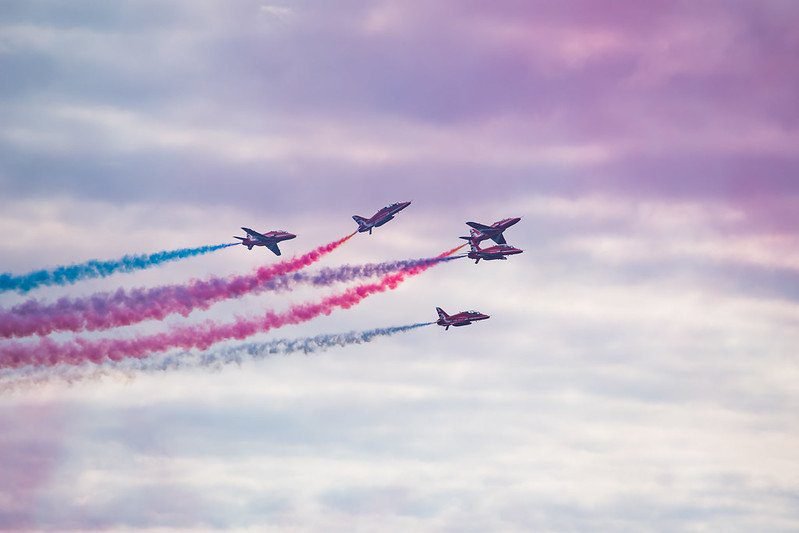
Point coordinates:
pixel 260 350
pixel 121 308
pixel 67 275
pixel 253 351
pixel 48 353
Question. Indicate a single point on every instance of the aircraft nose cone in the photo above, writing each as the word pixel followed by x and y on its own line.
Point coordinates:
pixel 290 236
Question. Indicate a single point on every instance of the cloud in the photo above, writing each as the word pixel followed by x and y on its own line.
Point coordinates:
pixel 30 454
pixel 628 97
pixel 636 371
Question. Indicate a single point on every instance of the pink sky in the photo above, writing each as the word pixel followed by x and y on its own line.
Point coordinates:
pixel 638 370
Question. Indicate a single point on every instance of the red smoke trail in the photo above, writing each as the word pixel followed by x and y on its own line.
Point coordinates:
pixel 46 352
pixel 122 308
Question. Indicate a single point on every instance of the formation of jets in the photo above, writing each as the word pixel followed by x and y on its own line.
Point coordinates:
pixel 477 234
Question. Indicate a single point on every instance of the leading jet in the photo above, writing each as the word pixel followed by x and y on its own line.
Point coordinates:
pixel 493 232
pixel 463 318
pixel 268 239
pixel 379 218
pixel 492 253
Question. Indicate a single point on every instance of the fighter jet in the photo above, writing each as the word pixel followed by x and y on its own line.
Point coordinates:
pixel 493 232
pixel 379 218
pixel 461 319
pixel 268 239
pixel 492 253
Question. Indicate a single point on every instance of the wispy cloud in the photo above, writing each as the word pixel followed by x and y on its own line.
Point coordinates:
pixel 636 371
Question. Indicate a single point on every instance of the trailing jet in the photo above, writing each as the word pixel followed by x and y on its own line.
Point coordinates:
pixel 268 239
pixel 461 319
pixel 493 232
pixel 379 218
pixel 492 253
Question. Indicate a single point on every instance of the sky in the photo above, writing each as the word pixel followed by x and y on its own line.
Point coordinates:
pixel 638 371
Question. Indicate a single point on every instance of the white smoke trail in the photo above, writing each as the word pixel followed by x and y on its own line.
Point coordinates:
pixel 31 376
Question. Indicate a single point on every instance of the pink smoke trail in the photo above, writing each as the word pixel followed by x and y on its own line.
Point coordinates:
pixel 121 308
pixel 201 336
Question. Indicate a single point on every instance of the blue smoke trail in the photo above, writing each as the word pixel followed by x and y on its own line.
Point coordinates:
pixel 26 377
pixel 67 275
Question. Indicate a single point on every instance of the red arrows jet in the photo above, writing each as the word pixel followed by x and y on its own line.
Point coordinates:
pixel 379 218
pixel 492 253
pixel 268 239
pixel 493 232
pixel 461 319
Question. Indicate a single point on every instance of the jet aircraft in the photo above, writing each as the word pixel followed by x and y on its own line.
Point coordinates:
pixel 460 319
pixel 268 239
pixel 379 218
pixel 493 232
pixel 492 253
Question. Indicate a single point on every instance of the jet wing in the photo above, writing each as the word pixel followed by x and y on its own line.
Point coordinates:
pixel 478 226
pixel 272 246
pixel 253 233
pixel 499 239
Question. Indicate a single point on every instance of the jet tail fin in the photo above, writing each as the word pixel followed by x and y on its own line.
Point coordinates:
pixel 360 220
pixel 244 242
pixel 475 246
pixel 473 238
pixel 441 313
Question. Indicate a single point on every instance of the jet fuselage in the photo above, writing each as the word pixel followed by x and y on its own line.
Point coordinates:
pixel 268 239
pixel 381 217
pixel 492 253
pixel 463 318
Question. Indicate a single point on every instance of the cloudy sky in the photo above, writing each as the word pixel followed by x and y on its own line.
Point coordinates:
pixel 639 370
